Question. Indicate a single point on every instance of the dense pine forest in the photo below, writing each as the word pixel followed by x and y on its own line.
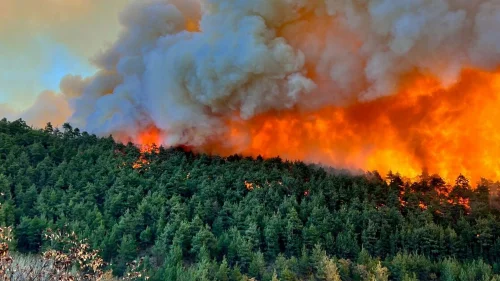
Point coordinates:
pixel 200 217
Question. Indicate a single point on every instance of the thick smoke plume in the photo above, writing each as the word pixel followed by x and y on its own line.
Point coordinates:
pixel 185 66
pixel 362 84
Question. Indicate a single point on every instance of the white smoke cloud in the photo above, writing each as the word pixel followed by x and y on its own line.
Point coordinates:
pixel 250 57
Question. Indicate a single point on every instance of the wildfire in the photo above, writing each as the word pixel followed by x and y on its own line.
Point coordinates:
pixel 147 141
pixel 249 185
pixel 464 202
pixel 426 126
pixel 422 205
pixel 141 162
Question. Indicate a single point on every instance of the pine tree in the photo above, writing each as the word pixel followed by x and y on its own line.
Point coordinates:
pixel 293 233
pixel 223 271
pixel 330 270
pixel 271 237
pixel 252 234
pixel 204 238
pixel 346 242
pixel 126 253
pixel 410 277
pixel 380 273
pixel 275 276
pixel 257 266
pixel 369 237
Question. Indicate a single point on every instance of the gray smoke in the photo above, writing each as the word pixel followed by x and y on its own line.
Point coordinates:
pixel 252 57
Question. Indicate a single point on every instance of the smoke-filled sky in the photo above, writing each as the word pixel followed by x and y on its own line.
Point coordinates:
pixel 355 83
pixel 41 41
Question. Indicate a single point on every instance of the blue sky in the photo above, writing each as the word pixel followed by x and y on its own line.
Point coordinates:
pixel 40 44
pixel 23 75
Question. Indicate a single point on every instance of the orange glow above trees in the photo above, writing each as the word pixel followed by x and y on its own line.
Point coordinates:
pixel 425 126
pixel 446 130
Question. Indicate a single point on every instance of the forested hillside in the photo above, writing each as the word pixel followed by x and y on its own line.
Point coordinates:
pixel 199 217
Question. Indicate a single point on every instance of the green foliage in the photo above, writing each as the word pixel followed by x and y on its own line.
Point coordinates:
pixel 195 218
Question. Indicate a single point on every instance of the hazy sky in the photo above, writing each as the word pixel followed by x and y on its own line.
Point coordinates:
pixel 43 40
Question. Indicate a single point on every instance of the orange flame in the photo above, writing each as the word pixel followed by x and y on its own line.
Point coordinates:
pixel 426 126
pixel 422 206
pixel 148 138
pixel 147 142
pixel 448 130
pixel 249 185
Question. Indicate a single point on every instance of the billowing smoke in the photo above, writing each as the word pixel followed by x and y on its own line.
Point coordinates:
pixel 364 84
pixel 186 67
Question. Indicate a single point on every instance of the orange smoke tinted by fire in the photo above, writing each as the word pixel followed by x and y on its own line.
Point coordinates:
pixel 425 126
pixel 192 25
